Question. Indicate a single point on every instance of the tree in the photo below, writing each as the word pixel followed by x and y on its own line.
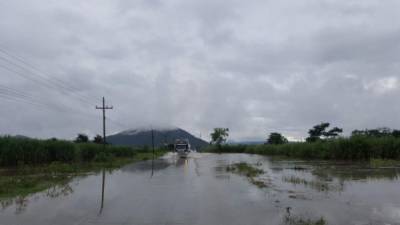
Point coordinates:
pixel 219 136
pixel 396 133
pixel 334 132
pixel 276 139
pixel 378 132
pixel 82 138
pixel 319 131
pixel 98 139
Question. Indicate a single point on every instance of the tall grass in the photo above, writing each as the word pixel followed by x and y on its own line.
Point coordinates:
pixel 353 148
pixel 16 151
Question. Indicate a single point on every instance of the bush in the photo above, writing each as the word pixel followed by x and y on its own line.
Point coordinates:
pixel 16 151
pixel 353 148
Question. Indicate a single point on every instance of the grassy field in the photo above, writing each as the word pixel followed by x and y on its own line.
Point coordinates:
pixel 16 152
pixel 28 166
pixel 354 148
pixel 24 180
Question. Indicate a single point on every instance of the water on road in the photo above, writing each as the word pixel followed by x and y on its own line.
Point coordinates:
pixel 199 190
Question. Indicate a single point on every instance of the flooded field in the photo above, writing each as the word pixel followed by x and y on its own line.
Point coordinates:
pixel 201 190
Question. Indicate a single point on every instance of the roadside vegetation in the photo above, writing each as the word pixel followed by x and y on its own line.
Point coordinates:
pixel 24 180
pixel 353 148
pixel 219 136
pixel 29 165
pixel 19 152
pixel 377 146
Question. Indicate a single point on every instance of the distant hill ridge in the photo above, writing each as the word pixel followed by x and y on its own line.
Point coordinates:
pixel 142 137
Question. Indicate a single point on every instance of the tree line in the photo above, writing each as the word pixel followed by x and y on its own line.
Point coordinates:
pixel 319 132
pixel 322 142
pixel 83 138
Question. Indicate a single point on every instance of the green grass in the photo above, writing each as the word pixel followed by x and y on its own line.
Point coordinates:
pixel 353 148
pixel 12 186
pixel 29 165
pixel 26 179
pixel 15 152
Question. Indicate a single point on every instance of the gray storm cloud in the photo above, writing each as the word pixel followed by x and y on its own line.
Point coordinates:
pixel 253 66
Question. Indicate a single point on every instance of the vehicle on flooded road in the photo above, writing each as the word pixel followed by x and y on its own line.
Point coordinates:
pixel 182 147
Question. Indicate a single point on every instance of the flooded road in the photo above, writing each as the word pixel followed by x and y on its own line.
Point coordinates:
pixel 199 190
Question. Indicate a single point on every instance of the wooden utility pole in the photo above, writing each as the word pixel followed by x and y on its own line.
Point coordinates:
pixel 104 108
pixel 152 143
pixel 152 140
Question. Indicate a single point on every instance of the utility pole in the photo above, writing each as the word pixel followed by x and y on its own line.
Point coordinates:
pixel 152 143
pixel 152 140
pixel 104 108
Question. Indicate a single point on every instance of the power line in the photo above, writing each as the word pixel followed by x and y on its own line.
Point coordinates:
pixel 21 100
pixel 13 94
pixel 66 89
pixel 25 96
pixel 42 78
pixel 37 76
pixel 28 97
pixel 56 81
pixel 42 82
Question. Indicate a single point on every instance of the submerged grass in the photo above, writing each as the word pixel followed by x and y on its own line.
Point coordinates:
pixel 250 171
pixel 27 179
pixel 295 220
pixel 313 184
pixel 244 169
pixel 380 163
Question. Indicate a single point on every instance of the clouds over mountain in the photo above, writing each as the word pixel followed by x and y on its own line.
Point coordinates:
pixel 252 66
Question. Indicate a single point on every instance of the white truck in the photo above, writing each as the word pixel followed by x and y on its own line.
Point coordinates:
pixel 182 147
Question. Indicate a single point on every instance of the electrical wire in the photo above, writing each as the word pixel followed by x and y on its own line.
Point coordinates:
pixel 42 75
pixel 41 78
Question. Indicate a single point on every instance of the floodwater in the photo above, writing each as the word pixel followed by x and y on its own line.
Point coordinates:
pixel 199 190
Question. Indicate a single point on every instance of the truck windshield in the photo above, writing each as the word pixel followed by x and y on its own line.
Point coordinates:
pixel 181 147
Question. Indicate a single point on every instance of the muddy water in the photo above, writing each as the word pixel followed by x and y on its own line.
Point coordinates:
pixel 199 190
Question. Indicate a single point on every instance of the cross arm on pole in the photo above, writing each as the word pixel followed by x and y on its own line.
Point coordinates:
pixel 106 107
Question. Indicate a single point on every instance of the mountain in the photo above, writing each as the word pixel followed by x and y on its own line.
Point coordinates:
pixel 142 137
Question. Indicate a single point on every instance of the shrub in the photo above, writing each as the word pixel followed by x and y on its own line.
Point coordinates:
pixel 353 148
pixel 15 151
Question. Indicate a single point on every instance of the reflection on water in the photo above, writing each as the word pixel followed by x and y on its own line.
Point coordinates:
pixel 361 172
pixel 159 164
pixel 102 190
pixel 320 185
pixel 198 190
pixel 21 202
pixel 345 171
pixel 59 190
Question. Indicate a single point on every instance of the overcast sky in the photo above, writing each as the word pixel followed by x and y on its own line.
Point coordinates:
pixel 253 66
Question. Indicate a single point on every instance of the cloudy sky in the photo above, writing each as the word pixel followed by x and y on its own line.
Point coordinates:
pixel 254 66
